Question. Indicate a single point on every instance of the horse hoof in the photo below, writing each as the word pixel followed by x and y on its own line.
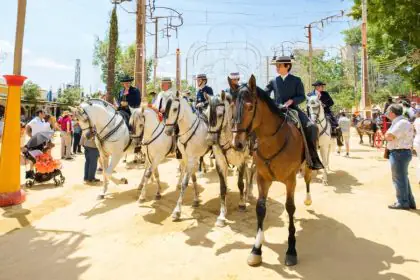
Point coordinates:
pixel 124 181
pixel 101 196
pixel 242 208
pixel 254 260
pixel 196 203
pixel 325 183
pixel 158 196
pixel 308 202
pixel 220 222
pixel 141 200
pixel 176 216
pixel 290 260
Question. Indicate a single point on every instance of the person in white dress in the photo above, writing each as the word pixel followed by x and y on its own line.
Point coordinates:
pixel 416 143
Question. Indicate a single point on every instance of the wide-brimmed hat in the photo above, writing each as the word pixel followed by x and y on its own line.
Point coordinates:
pixel 281 59
pixel 126 79
pixel 234 75
pixel 202 76
pixel 166 79
pixel 318 83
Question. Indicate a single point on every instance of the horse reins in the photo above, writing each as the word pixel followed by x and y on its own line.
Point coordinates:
pixel 317 121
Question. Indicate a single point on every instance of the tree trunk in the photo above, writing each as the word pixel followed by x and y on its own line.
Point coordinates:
pixel 112 49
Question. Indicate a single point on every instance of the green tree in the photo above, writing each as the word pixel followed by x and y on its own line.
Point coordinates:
pixel 70 96
pixel 112 55
pixel 31 91
pixel 393 33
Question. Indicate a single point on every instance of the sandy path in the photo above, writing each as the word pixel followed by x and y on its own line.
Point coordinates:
pixel 348 232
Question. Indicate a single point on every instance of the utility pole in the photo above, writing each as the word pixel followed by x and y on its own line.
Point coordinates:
pixel 155 62
pixel 309 27
pixel 178 70
pixel 140 69
pixel 322 21
pixel 365 72
pixel 20 29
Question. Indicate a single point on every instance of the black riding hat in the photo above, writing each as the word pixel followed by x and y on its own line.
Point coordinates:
pixel 318 83
pixel 126 79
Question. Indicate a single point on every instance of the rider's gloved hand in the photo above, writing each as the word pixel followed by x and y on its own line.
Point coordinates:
pixel 199 105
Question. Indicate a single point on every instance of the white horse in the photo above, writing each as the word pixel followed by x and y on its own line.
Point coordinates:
pixel 220 137
pixel 326 142
pixel 191 143
pixel 148 131
pixel 111 134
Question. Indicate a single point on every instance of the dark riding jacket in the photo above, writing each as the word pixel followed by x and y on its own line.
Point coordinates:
pixel 133 97
pixel 289 88
pixel 200 96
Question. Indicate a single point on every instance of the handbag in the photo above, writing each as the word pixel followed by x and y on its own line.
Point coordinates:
pixel 386 153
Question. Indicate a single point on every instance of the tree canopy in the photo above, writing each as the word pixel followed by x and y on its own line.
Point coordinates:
pixel 393 35
pixel 31 91
pixel 70 96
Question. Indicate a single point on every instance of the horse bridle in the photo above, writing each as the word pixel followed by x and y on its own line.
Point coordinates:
pixel 177 116
pixel 249 127
pixel 218 130
pixel 317 121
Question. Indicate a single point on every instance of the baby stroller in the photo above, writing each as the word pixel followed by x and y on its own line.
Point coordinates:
pixel 45 168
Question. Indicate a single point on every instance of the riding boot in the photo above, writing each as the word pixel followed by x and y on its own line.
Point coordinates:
pixel 311 134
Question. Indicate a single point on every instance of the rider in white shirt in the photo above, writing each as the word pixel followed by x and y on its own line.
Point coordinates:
pixel 164 95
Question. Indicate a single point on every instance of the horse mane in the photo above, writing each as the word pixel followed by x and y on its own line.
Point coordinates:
pixel 101 102
pixel 263 96
pixel 214 102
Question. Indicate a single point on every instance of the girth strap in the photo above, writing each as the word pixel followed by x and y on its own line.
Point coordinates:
pixel 267 161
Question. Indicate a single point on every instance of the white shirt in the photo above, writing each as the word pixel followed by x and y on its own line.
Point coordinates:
pixel 416 125
pixel 161 99
pixel 403 131
pixel 284 77
pixel 37 125
pixel 344 123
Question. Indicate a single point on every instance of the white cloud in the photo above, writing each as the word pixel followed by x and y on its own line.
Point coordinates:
pixel 45 62
pixel 6 46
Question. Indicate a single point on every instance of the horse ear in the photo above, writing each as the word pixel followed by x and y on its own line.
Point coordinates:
pixel 223 95
pixel 252 84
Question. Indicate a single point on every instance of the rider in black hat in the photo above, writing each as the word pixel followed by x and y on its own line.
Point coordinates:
pixel 326 100
pixel 289 92
pixel 129 97
pixel 203 89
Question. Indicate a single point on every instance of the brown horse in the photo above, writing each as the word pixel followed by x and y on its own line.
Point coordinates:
pixel 279 156
pixel 366 127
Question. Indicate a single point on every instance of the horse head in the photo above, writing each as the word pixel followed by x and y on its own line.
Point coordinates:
pixel 315 109
pixel 137 124
pixel 244 113
pixel 83 118
pixel 218 116
pixel 172 114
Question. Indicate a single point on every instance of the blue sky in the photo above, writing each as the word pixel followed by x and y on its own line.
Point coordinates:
pixel 59 31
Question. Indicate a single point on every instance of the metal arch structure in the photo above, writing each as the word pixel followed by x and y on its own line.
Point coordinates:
pixel 199 47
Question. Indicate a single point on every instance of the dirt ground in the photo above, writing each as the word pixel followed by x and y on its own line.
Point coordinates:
pixel 347 233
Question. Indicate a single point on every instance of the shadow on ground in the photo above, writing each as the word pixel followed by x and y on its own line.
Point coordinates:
pixel 328 249
pixel 342 181
pixel 41 253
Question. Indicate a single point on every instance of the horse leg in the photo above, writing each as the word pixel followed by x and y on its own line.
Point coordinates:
pixel 146 176
pixel 242 200
pixel 105 162
pixel 181 174
pixel 255 258
pixel 291 254
pixel 158 196
pixel 196 201
pixel 248 181
pixel 361 138
pixel 308 178
pixel 176 214
pixel 324 156
pixel 114 161
pixel 222 172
